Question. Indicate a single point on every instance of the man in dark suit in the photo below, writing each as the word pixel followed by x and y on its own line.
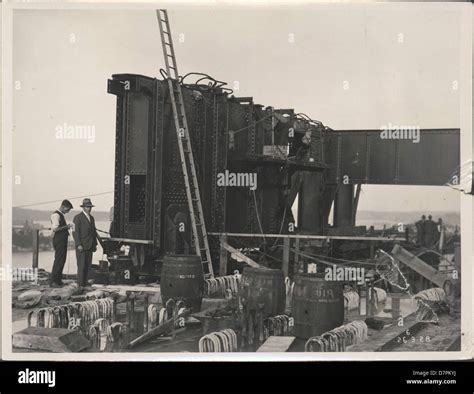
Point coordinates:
pixel 430 228
pixel 85 238
pixel 420 234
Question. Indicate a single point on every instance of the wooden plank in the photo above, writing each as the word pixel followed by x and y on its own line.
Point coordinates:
pixel 130 288
pixel 276 344
pixel 163 328
pixel 57 340
pixel 416 264
pixel 240 255
pixel 327 237
pixel 129 240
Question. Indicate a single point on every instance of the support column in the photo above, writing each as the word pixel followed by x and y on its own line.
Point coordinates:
pixel 343 206
pixel 35 246
pixel 310 203
pixel 286 255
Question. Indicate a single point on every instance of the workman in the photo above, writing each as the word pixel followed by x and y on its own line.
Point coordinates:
pixel 420 235
pixel 430 230
pixel 60 229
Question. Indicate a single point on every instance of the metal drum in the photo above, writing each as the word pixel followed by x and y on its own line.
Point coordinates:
pixel 317 305
pixel 263 288
pixel 182 279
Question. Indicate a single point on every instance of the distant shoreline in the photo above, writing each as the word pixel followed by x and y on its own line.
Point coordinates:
pixel 20 215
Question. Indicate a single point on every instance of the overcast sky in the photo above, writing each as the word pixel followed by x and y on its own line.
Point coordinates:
pixel 400 62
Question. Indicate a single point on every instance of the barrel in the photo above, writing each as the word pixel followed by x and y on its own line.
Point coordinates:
pixel 317 305
pixel 182 278
pixel 263 288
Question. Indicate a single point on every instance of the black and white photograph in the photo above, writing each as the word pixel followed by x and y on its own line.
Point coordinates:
pixel 286 181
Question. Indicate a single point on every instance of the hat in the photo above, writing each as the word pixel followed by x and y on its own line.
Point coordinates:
pixel 67 204
pixel 87 203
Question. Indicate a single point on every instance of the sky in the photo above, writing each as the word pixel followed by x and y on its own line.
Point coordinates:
pixel 399 61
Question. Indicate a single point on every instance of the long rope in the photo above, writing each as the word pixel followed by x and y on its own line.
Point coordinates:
pixel 258 216
pixel 306 254
pixel 244 245
pixel 70 198
pixel 254 124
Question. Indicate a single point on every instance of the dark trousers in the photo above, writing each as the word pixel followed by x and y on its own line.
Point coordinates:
pixel 60 254
pixel 84 261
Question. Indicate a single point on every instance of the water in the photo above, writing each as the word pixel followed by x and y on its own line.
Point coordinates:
pixel 46 257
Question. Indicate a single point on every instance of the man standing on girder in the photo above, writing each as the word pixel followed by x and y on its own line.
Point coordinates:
pixel 85 237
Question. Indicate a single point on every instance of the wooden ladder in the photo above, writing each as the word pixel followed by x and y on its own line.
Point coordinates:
pixel 199 234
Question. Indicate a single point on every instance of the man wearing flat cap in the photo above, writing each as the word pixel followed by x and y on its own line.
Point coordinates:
pixel 85 238
pixel 60 229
